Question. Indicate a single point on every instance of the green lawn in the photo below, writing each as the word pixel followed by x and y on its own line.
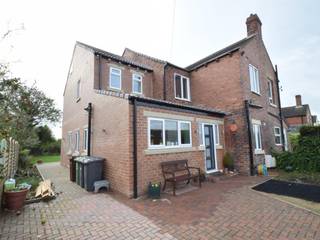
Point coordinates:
pixel 46 158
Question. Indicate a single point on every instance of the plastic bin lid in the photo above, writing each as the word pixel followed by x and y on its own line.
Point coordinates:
pixel 88 159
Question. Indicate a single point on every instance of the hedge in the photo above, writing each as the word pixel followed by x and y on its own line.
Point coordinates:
pixel 306 155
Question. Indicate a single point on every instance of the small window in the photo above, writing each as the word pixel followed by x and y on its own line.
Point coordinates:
pixel 277 136
pixel 137 83
pixel 156 132
pixel 270 91
pixel 77 139
pixel 69 141
pixel 254 79
pixel 171 133
pixel 185 130
pixel 115 78
pixel 78 88
pixel 182 87
pixel 217 136
pixel 257 136
pixel 85 139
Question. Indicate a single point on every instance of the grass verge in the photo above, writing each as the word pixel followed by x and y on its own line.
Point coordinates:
pixel 45 159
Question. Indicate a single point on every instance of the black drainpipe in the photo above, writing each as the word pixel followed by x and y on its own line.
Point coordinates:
pixel 135 155
pixel 246 104
pixel 280 111
pixel 89 110
pixel 164 82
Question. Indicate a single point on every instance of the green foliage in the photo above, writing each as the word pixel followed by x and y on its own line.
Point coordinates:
pixel 45 159
pixel 47 143
pixel 228 161
pixel 306 155
pixel 24 158
pixel 22 108
pixel 294 140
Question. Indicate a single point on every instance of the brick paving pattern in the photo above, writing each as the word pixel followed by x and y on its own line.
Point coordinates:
pixel 227 209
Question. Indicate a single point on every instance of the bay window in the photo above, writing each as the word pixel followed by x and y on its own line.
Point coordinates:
pixel 167 133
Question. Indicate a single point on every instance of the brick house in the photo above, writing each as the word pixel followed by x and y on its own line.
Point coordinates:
pixel 298 115
pixel 146 110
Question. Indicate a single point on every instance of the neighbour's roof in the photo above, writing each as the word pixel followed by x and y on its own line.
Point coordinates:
pixel 115 57
pixel 229 49
pixel 295 111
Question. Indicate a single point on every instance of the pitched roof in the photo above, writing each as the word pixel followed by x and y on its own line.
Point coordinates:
pixel 154 59
pixel 115 57
pixel 295 111
pixel 229 49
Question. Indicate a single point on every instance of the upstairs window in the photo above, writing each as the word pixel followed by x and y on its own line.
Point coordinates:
pixel 115 78
pixel 137 83
pixel 257 136
pixel 270 92
pixel 254 79
pixel 277 136
pixel 78 89
pixel 182 87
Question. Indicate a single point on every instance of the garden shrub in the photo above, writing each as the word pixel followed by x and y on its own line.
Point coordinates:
pixel 228 161
pixel 306 155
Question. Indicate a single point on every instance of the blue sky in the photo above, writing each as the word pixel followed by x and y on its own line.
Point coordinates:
pixel 181 31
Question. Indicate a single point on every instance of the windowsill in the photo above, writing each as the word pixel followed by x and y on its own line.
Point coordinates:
pixel 183 99
pixel 279 145
pixel 136 93
pixel 259 152
pixel 214 171
pixel 114 89
pixel 256 93
pixel 153 151
pixel 273 105
pixel 202 148
pixel 219 147
pixel 78 99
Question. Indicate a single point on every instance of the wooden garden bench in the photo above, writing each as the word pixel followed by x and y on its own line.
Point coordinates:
pixel 179 171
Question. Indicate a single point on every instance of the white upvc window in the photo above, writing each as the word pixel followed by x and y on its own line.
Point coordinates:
pixel 115 78
pixel 285 139
pixel 181 87
pixel 216 134
pixel 167 133
pixel 85 138
pixel 270 91
pixel 69 141
pixel 277 136
pixel 77 140
pixel 78 89
pixel 257 136
pixel 136 83
pixel 254 79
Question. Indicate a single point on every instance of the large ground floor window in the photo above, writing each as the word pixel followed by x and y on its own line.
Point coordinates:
pixel 166 133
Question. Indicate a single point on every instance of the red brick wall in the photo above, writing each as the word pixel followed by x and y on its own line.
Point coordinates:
pixel 149 164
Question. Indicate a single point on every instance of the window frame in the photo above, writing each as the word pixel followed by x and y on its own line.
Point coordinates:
pixel 85 138
pixel 216 133
pixel 277 135
pixel 69 139
pixel 181 82
pixel 77 141
pixel 120 75
pixel 163 145
pixel 256 81
pixel 133 80
pixel 270 92
pixel 257 135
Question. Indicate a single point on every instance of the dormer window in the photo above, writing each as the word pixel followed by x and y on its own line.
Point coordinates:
pixel 182 87
pixel 254 79
pixel 136 83
pixel 115 78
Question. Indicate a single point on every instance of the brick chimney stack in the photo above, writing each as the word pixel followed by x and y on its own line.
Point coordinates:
pixel 298 101
pixel 254 25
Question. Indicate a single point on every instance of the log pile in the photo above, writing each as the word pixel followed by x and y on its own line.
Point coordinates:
pixel 44 190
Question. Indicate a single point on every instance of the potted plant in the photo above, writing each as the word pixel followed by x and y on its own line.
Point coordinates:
pixel 14 198
pixel 154 190
pixel 228 162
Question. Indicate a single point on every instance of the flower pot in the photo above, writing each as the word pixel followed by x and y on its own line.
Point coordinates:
pixel 14 200
pixel 154 190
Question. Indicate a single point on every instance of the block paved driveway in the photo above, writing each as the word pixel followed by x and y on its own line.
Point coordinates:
pixel 227 209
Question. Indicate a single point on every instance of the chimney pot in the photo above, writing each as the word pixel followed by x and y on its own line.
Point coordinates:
pixel 298 101
pixel 254 25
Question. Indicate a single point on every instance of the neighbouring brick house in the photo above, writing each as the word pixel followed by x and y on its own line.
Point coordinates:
pixel 146 110
pixel 298 115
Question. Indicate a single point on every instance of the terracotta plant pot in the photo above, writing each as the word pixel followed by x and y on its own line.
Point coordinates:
pixel 14 200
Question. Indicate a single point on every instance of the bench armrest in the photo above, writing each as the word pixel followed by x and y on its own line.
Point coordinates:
pixel 196 169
